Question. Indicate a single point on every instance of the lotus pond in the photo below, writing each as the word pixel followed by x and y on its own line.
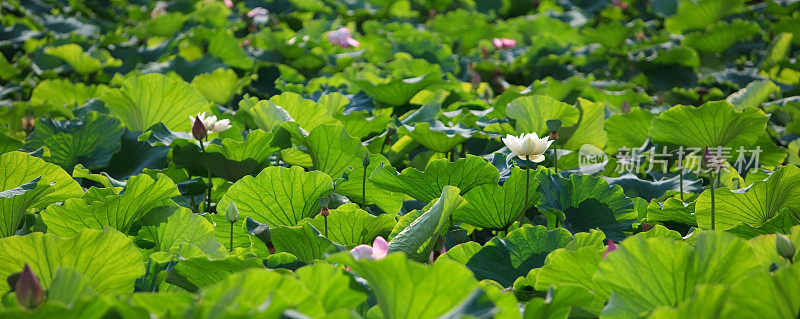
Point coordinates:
pixel 399 159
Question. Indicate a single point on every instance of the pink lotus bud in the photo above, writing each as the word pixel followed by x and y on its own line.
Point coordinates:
pixel 198 129
pixel 621 4
pixel 611 247
pixel 28 289
pixel 228 3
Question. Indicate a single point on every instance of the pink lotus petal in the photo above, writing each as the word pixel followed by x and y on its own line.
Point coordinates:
pixel 361 252
pixel 228 3
pixel 611 247
pixel 498 43
pixel 509 43
pixel 257 11
pixel 353 42
pixel 380 248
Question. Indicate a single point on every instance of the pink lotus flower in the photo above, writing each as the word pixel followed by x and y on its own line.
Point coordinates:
pixel 621 4
pixel 159 9
pixel 342 38
pixel 378 250
pixel 611 247
pixel 228 3
pixel 504 43
pixel 257 11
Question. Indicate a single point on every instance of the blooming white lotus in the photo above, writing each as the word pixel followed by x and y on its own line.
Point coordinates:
pixel 528 146
pixel 211 123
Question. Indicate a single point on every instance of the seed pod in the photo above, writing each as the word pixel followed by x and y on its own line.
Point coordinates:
pixel 198 129
pixel 324 212
pixel 553 125
pixel 784 246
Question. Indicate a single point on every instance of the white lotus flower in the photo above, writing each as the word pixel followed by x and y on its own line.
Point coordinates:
pixel 211 123
pixel 529 145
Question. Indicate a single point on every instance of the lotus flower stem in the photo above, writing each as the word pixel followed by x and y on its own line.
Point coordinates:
pixel 230 249
pixel 209 185
pixel 527 184
pixel 326 225
pixel 555 157
pixel 364 190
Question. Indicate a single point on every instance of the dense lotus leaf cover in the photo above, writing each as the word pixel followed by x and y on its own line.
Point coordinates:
pixel 400 159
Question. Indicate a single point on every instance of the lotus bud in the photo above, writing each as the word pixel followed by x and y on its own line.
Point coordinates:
pixel 28 123
pixel 28 289
pixel 611 247
pixel 365 161
pixel 232 214
pixel 784 246
pixel 626 108
pixel 198 129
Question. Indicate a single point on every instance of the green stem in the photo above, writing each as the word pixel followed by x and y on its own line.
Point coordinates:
pixel 364 190
pixel 326 225
pixel 209 185
pixel 555 152
pixel 231 246
pixel 527 184
pixel 712 200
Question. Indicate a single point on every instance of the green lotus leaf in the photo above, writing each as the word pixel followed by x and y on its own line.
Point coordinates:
pixel 767 295
pixel 289 107
pixel 193 273
pixel 87 253
pixel 83 62
pixel 506 259
pixel 589 129
pixel 225 46
pixel 279 195
pixel 397 89
pixel 531 113
pixel 393 277
pixel 90 141
pixel 63 93
pixel 303 241
pixel 336 153
pixel 707 301
pixel 230 159
pixel 32 183
pixel 710 262
pixel 720 36
pixel 258 292
pixel 712 124
pixel 672 210
pixel 161 303
pixel 575 267
pixel 628 130
pixel 218 86
pixel 692 15
pixel 171 226
pixel 97 211
pixel 558 303
pixel 334 287
pixel 465 173
pixel 754 206
pixel 436 136
pixel 753 94
pixel 145 100
pixel 496 207
pixel 587 202
pixel 165 25
pixel 350 226
pixel 418 238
